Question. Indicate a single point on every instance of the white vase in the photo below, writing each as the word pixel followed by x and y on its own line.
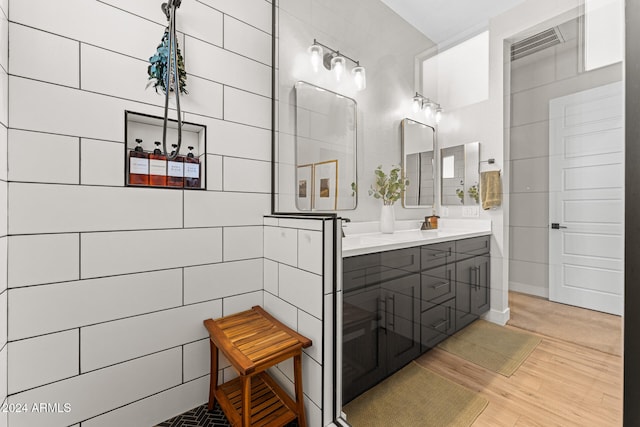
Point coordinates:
pixel 387 219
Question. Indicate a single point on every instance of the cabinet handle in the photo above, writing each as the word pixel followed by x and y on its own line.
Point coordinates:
pixel 440 254
pixel 392 315
pixel 382 309
pixel 477 277
pixel 439 285
pixel 440 324
pixel 472 276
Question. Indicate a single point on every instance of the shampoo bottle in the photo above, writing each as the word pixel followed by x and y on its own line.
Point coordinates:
pixel 158 167
pixel 175 170
pixel 138 165
pixel 191 170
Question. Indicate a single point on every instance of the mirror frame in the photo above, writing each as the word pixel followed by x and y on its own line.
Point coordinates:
pixel 313 209
pixel 404 163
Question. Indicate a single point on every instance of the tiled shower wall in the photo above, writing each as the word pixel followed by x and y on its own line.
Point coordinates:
pixel 299 286
pixel 108 285
pixel 536 79
pixel 4 115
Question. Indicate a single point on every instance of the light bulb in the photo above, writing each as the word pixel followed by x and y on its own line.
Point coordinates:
pixel 427 109
pixel 315 56
pixel 438 114
pixel 417 103
pixel 337 65
pixel 359 77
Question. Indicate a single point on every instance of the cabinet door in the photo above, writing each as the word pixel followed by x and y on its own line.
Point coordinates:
pixel 466 285
pixel 437 323
pixel 363 346
pixel 402 307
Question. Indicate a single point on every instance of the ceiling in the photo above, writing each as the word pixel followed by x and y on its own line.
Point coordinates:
pixel 448 21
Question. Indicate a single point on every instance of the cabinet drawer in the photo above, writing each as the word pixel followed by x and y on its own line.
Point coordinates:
pixel 437 323
pixel 438 284
pixel 395 264
pixel 437 254
pixel 467 248
pixel 360 262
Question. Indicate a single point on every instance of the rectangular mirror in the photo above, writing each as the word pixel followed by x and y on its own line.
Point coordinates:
pixel 418 145
pixel 325 140
pixel 460 178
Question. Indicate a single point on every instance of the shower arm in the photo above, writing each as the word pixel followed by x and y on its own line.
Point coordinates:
pixel 169 10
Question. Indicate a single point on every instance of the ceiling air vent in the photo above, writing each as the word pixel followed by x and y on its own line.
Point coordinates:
pixel 536 43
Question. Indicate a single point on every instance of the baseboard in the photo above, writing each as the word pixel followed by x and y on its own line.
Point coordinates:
pixel 529 290
pixel 498 317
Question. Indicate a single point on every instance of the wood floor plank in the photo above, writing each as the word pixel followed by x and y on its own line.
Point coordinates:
pixel 560 384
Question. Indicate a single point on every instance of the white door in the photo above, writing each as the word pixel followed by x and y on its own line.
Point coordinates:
pixel 586 199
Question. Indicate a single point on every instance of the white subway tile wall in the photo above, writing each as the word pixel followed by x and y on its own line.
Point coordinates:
pixel 44 359
pixel 107 285
pixel 298 287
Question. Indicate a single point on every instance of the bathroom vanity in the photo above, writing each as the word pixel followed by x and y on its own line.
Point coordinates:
pixel 406 292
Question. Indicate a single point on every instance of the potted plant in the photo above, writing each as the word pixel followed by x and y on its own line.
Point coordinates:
pixel 388 188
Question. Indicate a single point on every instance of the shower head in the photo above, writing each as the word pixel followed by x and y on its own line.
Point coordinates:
pixel 166 7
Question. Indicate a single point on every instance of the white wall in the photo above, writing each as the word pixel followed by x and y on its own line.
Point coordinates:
pixel 386 46
pixel 108 285
pixel 4 114
pixel 535 80
pixel 487 122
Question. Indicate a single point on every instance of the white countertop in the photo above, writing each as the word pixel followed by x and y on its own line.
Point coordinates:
pixel 363 238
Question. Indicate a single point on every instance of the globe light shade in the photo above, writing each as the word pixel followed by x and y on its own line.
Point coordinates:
pixel 315 56
pixel 359 77
pixel 338 65
pixel 416 105
pixel 428 110
pixel 438 114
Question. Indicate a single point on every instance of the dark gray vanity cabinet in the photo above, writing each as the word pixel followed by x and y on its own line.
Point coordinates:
pixel 398 304
pixel 381 317
pixel 472 280
pixel 438 287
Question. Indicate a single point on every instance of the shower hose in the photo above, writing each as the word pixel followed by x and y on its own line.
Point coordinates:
pixel 169 10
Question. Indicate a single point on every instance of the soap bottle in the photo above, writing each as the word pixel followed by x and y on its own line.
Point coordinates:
pixel 175 170
pixel 157 167
pixel 432 221
pixel 191 170
pixel 138 165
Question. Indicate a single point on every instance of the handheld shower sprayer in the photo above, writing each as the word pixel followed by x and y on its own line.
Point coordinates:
pixel 172 81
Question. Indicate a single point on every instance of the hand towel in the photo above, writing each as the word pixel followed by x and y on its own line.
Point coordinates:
pixel 490 189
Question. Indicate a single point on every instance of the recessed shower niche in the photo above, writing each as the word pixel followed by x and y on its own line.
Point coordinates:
pixel 148 165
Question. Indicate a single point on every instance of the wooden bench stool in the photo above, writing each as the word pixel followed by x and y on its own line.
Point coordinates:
pixel 253 341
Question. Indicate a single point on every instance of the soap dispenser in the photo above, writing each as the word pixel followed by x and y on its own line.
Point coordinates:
pixel 432 221
pixel 158 167
pixel 138 165
pixel 191 170
pixel 175 170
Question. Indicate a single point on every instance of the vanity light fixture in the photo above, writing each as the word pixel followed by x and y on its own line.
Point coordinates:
pixel 428 106
pixel 335 61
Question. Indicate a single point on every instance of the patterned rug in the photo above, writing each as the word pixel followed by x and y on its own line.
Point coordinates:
pixel 499 349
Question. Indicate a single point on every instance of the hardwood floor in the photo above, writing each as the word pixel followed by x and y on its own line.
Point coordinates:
pixel 560 384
